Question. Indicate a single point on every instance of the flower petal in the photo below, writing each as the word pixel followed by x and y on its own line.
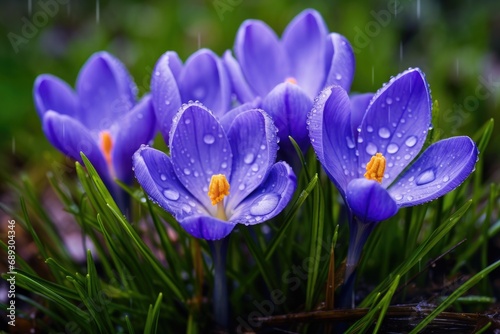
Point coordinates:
pixel 396 123
pixel 227 119
pixel 359 105
pixel 304 40
pixel 252 136
pixel 341 64
pixel 136 128
pixel 155 173
pixel 269 199
pixel 369 201
pixel 52 93
pixel 70 137
pixel 204 78
pixel 440 169
pixel 331 135
pixel 165 92
pixel 106 91
pixel 288 105
pixel 199 149
pixel 240 86
pixel 207 227
pixel 261 56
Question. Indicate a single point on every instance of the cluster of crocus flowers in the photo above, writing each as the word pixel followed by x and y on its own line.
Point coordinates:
pixel 370 150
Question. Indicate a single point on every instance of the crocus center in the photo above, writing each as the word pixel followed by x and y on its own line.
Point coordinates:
pixel 217 190
pixel 106 145
pixel 291 80
pixel 375 168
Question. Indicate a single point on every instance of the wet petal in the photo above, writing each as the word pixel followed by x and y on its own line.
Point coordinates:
pixel 440 169
pixel 369 201
pixel 342 62
pixel 199 149
pixel 396 123
pixel 204 78
pixel 70 137
pixel 52 93
pixel 261 56
pixel 136 128
pixel 269 199
pixel 165 92
pixel 331 136
pixel 105 90
pixel 288 105
pixel 359 105
pixel 240 86
pixel 304 40
pixel 227 119
pixel 155 173
pixel 252 136
pixel 207 227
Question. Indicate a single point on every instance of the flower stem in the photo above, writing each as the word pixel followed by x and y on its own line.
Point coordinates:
pixel 220 296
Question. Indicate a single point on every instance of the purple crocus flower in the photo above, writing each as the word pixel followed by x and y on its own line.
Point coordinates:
pixel 288 73
pixel 202 78
pixel 367 146
pixel 218 174
pixel 101 118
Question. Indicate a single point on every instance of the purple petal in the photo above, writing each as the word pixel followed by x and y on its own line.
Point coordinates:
pixel 396 123
pixel 269 199
pixel 342 62
pixel 252 136
pixel 439 170
pixel 52 93
pixel 359 105
pixel 204 78
pixel 165 92
pixel 106 91
pixel 261 56
pixel 369 201
pixel 199 149
pixel 70 137
pixel 227 119
pixel 304 40
pixel 207 227
pixel 288 105
pixel 136 128
pixel 240 86
pixel 331 136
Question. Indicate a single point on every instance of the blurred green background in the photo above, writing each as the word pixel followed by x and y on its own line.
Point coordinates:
pixel 456 43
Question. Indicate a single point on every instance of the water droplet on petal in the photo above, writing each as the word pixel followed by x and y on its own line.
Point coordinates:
pixel 411 141
pixel 249 158
pixel 426 177
pixel 398 197
pixel 392 148
pixel 388 100
pixel 446 178
pixel 186 208
pixel 371 149
pixel 171 194
pixel 187 121
pixel 350 143
pixel 409 197
pixel 208 139
pixel 262 147
pixel 163 177
pixel 338 76
pixel 187 171
pixel 264 204
pixel 255 167
pixel 241 187
pixel 223 165
pixel 369 128
pixel 384 132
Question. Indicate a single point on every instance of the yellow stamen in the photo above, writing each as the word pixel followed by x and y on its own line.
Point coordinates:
pixel 291 80
pixel 106 145
pixel 375 168
pixel 217 190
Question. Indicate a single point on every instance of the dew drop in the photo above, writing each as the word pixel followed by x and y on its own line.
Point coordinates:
pixel 163 177
pixel 249 158
pixel 398 197
pixel 371 149
pixel 446 178
pixel 407 157
pixel 384 133
pixel 411 141
pixel 392 148
pixel 388 100
pixel 369 128
pixel 208 139
pixel 255 167
pixel 349 141
pixel 223 165
pixel 262 147
pixel 186 208
pixel 187 171
pixel 360 139
pixel 264 204
pixel 241 187
pixel 187 121
pixel 171 194
pixel 409 197
pixel 338 76
pixel 426 177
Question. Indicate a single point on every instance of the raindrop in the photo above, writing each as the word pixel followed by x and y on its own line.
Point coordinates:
pixel 392 148
pixel 369 128
pixel 407 157
pixel 171 194
pixel 209 139
pixel 384 132
pixel 249 158
pixel 167 102
pixel 187 171
pixel 409 197
pixel 223 165
pixel 360 139
pixel 388 100
pixel 338 76
pixel 446 178
pixel 350 143
pixel 398 197
pixel 255 167
pixel 187 121
pixel 163 177
pixel 241 187
pixel 264 205
pixel 426 177
pixel 371 149
pixel 411 141
pixel 186 208
pixel 262 147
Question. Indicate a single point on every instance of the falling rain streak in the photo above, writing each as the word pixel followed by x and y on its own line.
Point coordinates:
pixel 30 6
pixel 418 9
pixel 97 12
